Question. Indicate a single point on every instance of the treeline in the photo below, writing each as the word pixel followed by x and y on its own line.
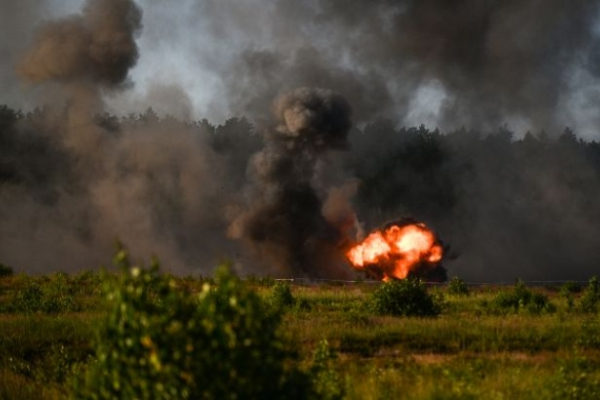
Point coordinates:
pixel 32 151
pixel 508 205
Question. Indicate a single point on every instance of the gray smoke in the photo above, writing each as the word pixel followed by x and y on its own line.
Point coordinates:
pixel 285 219
pixel 90 178
pixel 96 46
pixel 85 54
pixel 485 63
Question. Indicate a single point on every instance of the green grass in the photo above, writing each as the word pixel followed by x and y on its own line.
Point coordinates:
pixel 471 350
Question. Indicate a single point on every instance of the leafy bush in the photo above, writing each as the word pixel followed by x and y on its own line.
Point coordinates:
pixel 328 383
pixel 5 270
pixel 162 342
pixel 591 296
pixel 575 380
pixel 539 303
pixel 589 334
pixel 567 292
pixel 29 298
pixel 54 296
pixel 281 296
pixel 521 298
pixel 407 297
pixel 570 287
pixel 87 283
pixel 458 287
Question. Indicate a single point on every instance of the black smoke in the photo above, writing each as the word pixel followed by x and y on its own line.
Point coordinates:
pixel 284 219
pixel 491 62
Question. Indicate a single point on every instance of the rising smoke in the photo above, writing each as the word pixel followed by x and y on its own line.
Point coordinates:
pixel 486 62
pixel 97 46
pixel 104 183
pixel 284 218
pixel 278 192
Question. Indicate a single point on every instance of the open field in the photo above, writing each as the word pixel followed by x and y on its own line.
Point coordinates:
pixel 472 349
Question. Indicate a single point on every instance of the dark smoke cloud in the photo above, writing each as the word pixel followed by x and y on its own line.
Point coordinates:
pixel 266 72
pixel 85 54
pixel 493 62
pixel 98 45
pixel 498 57
pixel 284 219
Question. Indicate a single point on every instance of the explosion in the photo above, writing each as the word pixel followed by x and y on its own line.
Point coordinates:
pixel 400 249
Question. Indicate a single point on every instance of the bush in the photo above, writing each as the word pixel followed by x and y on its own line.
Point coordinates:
pixel 407 297
pixel 591 296
pixel 458 287
pixel 567 292
pixel 521 298
pixel 5 271
pixel 161 342
pixel 87 283
pixel 53 297
pixel 280 296
pixel 589 334
pixel 570 287
pixel 328 383
pixel 575 379
pixel 28 298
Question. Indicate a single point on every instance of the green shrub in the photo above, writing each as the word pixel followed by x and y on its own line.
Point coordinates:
pixel 567 292
pixel 5 270
pixel 458 287
pixel 575 379
pixel 53 296
pixel 591 296
pixel 162 342
pixel 521 298
pixel 589 334
pixel 407 297
pixel 539 303
pixel 28 298
pixel 280 296
pixel 327 381
pixel 87 283
pixel 570 287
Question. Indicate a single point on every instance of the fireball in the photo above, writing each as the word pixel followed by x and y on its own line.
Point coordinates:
pixel 397 250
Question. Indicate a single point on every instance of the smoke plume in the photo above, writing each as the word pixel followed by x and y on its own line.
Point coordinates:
pixel 474 63
pixel 284 219
pixel 96 46
pixel 91 178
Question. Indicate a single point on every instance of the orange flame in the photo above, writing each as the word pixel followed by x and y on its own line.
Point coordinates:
pixel 396 250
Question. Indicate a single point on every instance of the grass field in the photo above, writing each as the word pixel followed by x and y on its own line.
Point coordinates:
pixel 474 349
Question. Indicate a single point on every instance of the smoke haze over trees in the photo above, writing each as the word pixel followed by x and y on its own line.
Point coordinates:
pixel 317 144
pixel 507 207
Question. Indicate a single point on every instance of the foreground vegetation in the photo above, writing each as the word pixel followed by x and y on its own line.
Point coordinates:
pixel 80 335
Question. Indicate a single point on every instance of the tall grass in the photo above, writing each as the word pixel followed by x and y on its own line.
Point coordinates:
pixel 470 350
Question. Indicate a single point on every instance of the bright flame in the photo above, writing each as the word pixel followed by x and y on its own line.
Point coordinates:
pixel 396 250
